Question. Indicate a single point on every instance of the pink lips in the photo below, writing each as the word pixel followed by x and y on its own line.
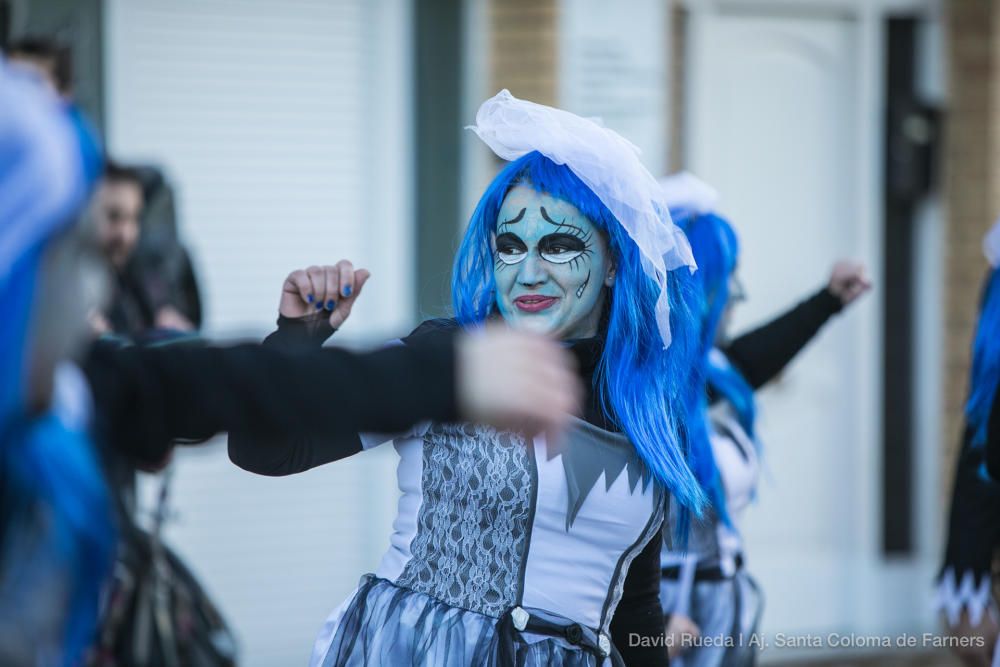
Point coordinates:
pixel 534 303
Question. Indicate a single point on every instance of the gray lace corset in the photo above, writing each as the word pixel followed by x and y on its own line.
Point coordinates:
pixel 473 524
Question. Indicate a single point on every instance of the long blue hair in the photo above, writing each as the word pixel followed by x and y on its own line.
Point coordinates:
pixel 985 361
pixel 716 250
pixel 642 387
pixel 54 507
pixel 53 499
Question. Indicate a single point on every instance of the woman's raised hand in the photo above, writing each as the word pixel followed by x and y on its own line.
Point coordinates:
pixel 333 289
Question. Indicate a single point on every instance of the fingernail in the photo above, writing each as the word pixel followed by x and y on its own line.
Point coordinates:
pixel 331 304
pixel 310 298
pixel 319 306
pixel 347 290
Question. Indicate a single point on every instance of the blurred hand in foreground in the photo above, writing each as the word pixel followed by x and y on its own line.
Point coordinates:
pixel 516 381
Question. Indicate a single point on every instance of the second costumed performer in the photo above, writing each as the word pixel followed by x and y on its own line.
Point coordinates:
pixel 706 584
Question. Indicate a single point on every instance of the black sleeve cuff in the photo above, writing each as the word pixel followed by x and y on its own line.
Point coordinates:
pixel 828 301
pixel 310 331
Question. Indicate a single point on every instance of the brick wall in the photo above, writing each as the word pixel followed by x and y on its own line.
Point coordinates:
pixel 524 48
pixel 972 188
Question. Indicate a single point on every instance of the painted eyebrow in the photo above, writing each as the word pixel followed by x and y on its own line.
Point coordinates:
pixel 516 218
pixel 510 235
pixel 545 215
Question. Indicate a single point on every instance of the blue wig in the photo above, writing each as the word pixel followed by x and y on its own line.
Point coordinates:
pixel 985 361
pixel 54 507
pixel 642 387
pixel 54 504
pixel 716 250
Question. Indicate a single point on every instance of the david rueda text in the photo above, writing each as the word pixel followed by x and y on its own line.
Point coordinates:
pixel 753 640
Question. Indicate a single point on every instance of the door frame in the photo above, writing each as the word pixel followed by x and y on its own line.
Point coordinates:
pixel 879 580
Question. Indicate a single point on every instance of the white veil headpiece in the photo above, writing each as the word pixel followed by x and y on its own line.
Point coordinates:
pixel 686 192
pixel 991 245
pixel 608 164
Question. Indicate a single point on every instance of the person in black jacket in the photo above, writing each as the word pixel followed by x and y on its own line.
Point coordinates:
pixel 966 580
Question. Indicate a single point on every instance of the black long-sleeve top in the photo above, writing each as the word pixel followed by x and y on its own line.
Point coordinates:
pixel 974 516
pixel 638 611
pixel 993 438
pixel 147 397
pixel 762 353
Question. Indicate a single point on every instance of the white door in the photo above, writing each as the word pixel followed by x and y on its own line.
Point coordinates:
pixel 784 119
pixel 282 124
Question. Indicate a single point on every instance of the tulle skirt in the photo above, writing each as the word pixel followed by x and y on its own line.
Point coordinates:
pixel 384 624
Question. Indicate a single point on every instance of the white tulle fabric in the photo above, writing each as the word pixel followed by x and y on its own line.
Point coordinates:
pixel 685 191
pixel 991 245
pixel 608 164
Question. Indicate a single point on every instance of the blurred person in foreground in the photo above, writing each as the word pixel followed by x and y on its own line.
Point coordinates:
pixel 708 596
pixel 965 585
pixel 56 526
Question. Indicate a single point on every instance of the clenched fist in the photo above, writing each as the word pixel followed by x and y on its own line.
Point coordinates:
pixel 848 281
pixel 331 288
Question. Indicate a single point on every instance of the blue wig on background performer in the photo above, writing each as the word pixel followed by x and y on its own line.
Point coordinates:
pixel 56 535
pixel 716 249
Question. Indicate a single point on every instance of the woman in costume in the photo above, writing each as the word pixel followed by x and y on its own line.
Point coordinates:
pixel 706 584
pixel 56 533
pixel 517 550
pixel 965 583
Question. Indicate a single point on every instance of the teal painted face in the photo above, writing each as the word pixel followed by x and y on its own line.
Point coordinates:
pixel 551 266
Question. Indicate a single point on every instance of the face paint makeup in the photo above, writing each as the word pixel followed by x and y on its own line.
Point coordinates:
pixel 551 264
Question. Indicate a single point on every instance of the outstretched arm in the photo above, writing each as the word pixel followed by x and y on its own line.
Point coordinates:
pixel 762 353
pixel 147 397
pixel 314 303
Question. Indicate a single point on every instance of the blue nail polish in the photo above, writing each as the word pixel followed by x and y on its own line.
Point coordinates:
pixel 319 306
pixel 347 290
pixel 310 298
pixel 331 304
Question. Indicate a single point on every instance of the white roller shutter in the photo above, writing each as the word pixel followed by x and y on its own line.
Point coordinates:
pixel 284 125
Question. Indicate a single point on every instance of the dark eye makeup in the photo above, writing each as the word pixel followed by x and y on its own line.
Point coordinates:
pixel 510 248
